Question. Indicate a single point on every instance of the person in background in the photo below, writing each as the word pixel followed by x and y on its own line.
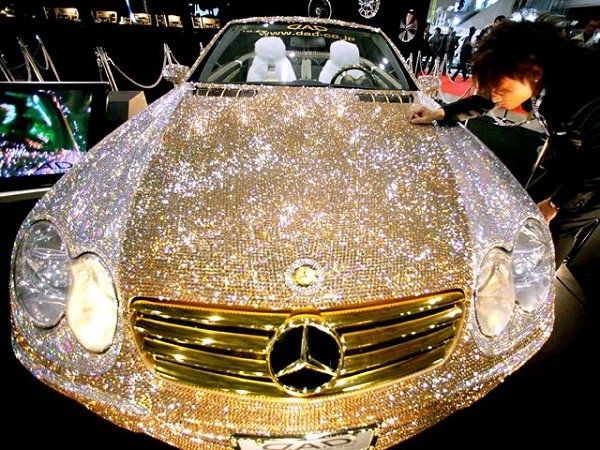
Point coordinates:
pixel 499 20
pixel 425 49
pixel 451 44
pixel 436 43
pixel 466 51
pixel 529 63
pixel 585 37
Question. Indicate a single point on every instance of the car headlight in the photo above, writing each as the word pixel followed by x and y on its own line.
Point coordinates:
pixel 495 294
pixel 533 265
pixel 92 304
pixel 42 274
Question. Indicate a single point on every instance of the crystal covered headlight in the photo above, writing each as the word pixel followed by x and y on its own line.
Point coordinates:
pixel 495 294
pixel 42 274
pixel 533 265
pixel 92 304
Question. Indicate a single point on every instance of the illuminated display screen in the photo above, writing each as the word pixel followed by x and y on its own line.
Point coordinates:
pixel 42 132
pixel 46 128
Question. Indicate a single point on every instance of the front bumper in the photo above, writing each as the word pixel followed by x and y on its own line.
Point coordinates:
pixel 130 395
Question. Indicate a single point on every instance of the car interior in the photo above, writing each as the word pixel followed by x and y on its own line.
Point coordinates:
pixel 303 62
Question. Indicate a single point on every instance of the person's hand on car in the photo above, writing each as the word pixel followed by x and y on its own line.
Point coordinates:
pixel 421 114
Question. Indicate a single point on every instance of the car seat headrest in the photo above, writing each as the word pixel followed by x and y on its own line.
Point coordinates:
pixel 343 53
pixel 270 48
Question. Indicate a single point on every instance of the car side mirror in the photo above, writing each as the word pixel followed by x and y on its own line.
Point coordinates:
pixel 175 73
pixel 429 84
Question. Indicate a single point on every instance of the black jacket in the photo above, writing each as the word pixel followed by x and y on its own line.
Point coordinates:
pixel 571 110
pixel 466 51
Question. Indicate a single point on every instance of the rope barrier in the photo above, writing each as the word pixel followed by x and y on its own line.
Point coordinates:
pixel 469 90
pixel 420 57
pixel 29 76
pixel 5 70
pixel 46 65
pixel 104 68
pixel 105 63
pixel 132 81
pixel 169 55
pixel 33 65
pixel 30 64
pixel 409 63
pixel 47 59
pixel 25 63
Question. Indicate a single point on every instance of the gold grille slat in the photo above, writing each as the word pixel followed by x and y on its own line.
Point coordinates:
pixel 391 311
pixel 179 372
pixel 200 336
pixel 365 338
pixel 391 372
pixel 382 342
pixel 206 360
pixel 266 321
pixel 368 360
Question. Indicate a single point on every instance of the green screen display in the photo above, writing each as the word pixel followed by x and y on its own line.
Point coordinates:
pixel 42 131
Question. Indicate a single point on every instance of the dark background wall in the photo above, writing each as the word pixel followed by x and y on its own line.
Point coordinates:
pixel 138 50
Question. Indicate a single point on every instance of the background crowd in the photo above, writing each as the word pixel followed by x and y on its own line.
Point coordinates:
pixel 449 53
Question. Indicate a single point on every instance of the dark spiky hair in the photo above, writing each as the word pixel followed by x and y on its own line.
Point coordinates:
pixel 517 50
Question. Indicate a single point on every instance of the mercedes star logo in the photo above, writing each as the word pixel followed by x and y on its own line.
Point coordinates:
pixel 304 276
pixel 305 356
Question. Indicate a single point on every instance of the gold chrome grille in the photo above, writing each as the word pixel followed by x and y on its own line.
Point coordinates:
pixel 227 349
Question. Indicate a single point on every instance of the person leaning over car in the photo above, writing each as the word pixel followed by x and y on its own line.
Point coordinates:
pixel 530 63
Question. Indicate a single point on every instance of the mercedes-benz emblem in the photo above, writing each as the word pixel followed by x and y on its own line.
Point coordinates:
pixel 304 276
pixel 305 356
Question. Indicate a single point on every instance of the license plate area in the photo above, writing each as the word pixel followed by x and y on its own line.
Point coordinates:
pixel 355 439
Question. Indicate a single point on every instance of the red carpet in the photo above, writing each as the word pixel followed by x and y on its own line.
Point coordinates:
pixel 460 87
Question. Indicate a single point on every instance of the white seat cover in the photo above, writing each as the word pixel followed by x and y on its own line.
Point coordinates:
pixel 270 62
pixel 341 54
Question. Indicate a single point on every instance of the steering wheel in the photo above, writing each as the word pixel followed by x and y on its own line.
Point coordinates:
pixel 363 69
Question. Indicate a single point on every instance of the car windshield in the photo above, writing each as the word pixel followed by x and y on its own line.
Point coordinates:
pixel 303 54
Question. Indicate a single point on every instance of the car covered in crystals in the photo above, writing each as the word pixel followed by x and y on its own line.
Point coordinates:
pixel 270 256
